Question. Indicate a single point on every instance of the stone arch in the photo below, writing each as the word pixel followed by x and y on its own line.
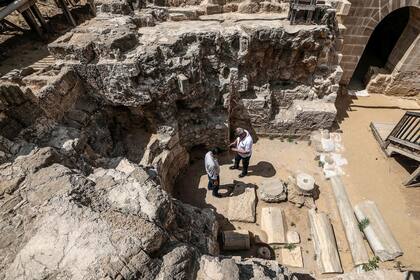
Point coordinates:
pixel 361 21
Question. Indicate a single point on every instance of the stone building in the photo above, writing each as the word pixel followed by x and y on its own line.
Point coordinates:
pixel 380 45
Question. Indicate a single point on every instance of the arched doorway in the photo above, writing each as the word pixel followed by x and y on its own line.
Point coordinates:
pixel 389 62
pixel 381 43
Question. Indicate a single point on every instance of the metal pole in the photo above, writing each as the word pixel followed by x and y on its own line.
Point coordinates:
pixel 11 8
pixel 40 18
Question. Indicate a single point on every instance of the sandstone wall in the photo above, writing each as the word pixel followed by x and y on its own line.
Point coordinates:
pixel 400 74
pixel 359 23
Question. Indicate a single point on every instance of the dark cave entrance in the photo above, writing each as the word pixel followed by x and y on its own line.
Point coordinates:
pixel 380 45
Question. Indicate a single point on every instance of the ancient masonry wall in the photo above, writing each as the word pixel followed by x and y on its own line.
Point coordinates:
pixel 126 74
pixel 358 21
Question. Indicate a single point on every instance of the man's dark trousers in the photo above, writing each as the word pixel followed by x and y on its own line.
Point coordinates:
pixel 214 187
pixel 245 163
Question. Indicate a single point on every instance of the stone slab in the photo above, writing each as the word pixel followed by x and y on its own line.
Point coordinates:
pixel 293 237
pixel 272 223
pixel 292 257
pixel 242 204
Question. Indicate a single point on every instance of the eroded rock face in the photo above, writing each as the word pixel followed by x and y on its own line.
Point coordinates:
pixel 61 224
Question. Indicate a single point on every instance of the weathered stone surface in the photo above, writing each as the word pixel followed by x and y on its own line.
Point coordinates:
pixel 178 262
pixel 253 269
pixel 260 269
pixel 242 203
pixel 292 257
pixel 217 269
pixel 272 222
pixel 248 7
pixel 372 275
pixel 297 197
pixel 115 220
pixel 272 191
pixel 293 237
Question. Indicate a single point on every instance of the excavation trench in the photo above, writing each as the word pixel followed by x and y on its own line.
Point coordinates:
pixel 135 112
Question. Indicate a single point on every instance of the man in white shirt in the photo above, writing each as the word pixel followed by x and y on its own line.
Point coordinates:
pixel 243 148
pixel 213 171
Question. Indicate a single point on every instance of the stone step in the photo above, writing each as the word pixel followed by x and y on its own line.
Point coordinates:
pixel 304 109
pixel 180 14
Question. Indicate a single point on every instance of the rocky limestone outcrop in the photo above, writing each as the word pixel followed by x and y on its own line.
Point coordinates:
pixel 58 223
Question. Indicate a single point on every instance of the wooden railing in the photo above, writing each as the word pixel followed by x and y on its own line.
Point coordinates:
pixel 404 139
pixel 407 132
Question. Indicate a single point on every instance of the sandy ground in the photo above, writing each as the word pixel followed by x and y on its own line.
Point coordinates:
pixel 369 175
pixel 271 158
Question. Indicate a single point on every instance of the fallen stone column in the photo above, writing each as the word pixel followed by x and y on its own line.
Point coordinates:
pixel 324 243
pixel 377 232
pixel 351 228
pixel 236 240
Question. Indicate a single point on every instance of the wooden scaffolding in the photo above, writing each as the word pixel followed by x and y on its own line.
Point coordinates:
pixel 304 9
pixel 33 17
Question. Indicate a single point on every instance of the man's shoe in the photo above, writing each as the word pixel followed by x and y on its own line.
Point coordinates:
pixel 242 175
pixel 217 195
pixel 234 167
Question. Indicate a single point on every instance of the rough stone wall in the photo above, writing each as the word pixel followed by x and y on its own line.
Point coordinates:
pixel 406 41
pixel 359 24
pixel 400 74
pixel 226 6
pixel 184 81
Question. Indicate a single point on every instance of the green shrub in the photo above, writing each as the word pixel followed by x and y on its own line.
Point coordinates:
pixel 372 264
pixel 363 224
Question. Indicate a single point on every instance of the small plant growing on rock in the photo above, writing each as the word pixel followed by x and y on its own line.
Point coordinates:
pixel 363 224
pixel 372 264
pixel 290 246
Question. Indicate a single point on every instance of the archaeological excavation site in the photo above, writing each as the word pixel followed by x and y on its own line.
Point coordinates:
pixel 209 139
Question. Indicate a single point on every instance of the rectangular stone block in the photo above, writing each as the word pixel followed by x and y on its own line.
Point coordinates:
pixel 272 223
pixel 292 257
pixel 213 9
pixel 242 204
